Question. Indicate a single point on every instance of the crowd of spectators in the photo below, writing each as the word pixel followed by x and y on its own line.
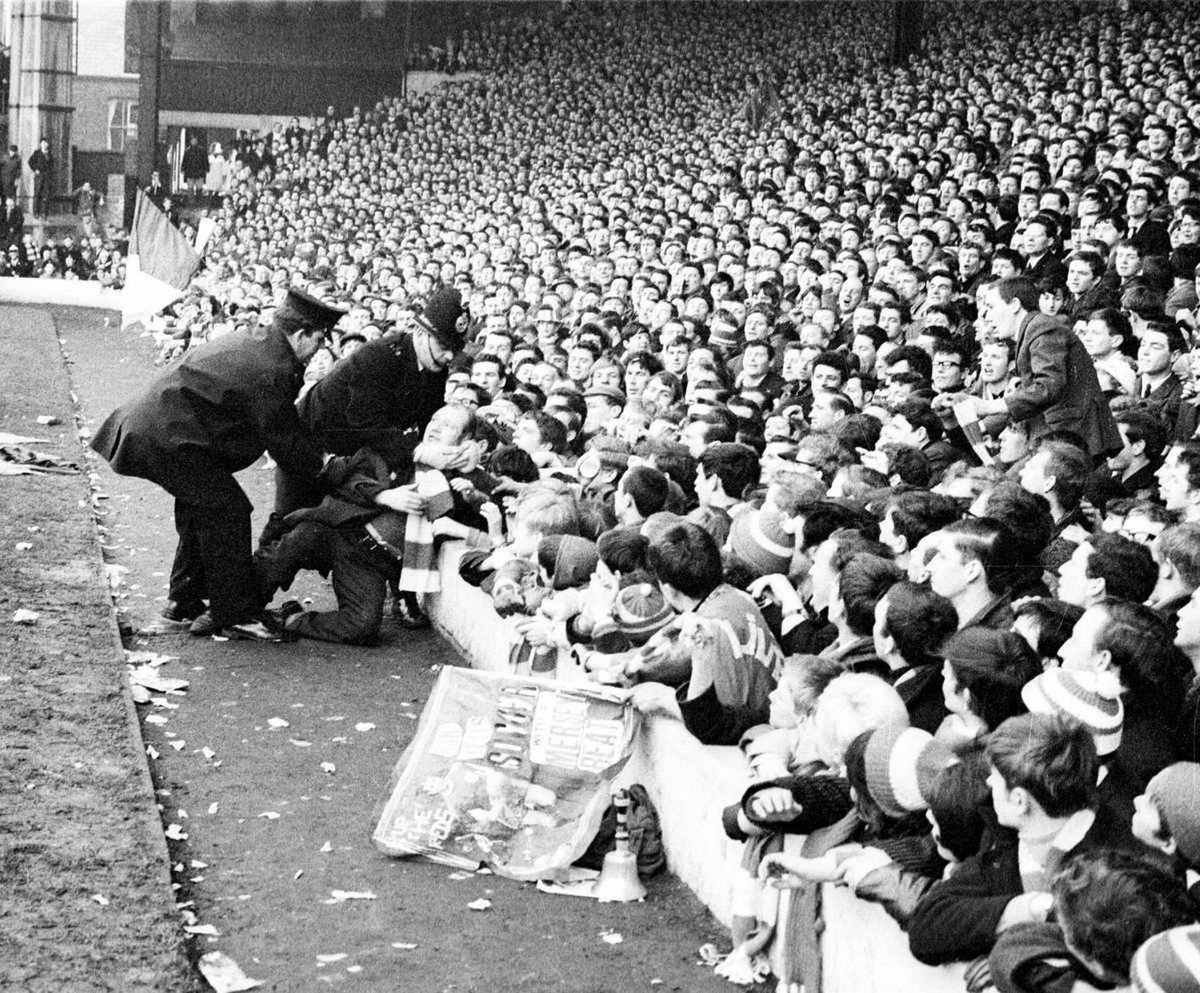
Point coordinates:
pixel 842 411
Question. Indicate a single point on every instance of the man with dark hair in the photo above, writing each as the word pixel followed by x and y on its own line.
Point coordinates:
pixel 911 622
pixel 1086 286
pixel 973 567
pixel 206 418
pixel 724 472
pixel 641 491
pixel 914 423
pixel 1158 389
pixel 911 515
pixel 1043 783
pixel 1107 565
pixel 1057 387
pixel 855 590
pixel 1149 235
pixel 717 665
pixel 1130 472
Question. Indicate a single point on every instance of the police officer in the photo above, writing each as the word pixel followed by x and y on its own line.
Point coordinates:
pixel 211 415
pixel 380 397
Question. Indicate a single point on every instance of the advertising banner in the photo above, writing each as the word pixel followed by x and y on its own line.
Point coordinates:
pixel 511 772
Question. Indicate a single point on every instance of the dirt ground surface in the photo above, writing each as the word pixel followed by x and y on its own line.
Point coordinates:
pixel 268 770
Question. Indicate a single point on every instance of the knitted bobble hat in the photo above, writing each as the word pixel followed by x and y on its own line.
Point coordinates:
pixel 758 539
pixel 1176 793
pixel 1091 698
pixel 639 611
pixel 1168 962
pixel 901 765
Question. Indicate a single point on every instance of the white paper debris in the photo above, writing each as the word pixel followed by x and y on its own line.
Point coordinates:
pixel 179 745
pixel 341 896
pixel 23 616
pixel 207 929
pixel 100 899
pixel 299 873
pixel 330 959
pixel 300 743
pixel 457 876
pixel 328 767
pixel 480 904
pixel 277 722
pixel 149 677
pixel 209 754
pixel 270 815
pixel 327 848
pixel 224 975
pixel 364 726
pixel 612 937
pixel 404 946
pixel 175 832
pixel 354 968
pixel 23 546
pixel 157 718
pixel 213 808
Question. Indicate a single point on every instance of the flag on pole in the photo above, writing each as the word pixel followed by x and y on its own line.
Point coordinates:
pixel 161 263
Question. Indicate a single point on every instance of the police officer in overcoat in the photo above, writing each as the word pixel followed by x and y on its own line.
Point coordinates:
pixel 380 397
pixel 211 415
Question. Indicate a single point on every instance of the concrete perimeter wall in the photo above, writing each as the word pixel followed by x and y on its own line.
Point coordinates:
pixel 691 784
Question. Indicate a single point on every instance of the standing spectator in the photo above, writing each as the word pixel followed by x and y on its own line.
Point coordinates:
pixel 195 166
pixel 214 181
pixel 1057 388
pixel 42 164
pixel 10 174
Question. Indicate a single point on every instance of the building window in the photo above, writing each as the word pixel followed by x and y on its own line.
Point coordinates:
pixel 122 124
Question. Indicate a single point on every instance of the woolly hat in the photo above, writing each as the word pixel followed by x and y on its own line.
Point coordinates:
pixel 901 764
pixel 1091 698
pixel 569 559
pixel 723 336
pixel 1176 793
pixel 639 611
pixel 441 315
pixel 758 539
pixel 1168 962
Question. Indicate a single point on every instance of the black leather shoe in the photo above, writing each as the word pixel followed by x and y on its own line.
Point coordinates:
pixel 175 618
pixel 264 628
pixel 408 612
pixel 203 626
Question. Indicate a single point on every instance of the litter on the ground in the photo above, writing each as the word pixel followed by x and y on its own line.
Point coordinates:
pixel 404 946
pixel 277 722
pixel 354 968
pixel 224 975
pixel 300 743
pixel 480 904
pixel 175 832
pixel 101 899
pixel 458 876
pixel 270 815
pixel 153 680
pixel 326 848
pixel 23 546
pixel 612 937
pixel 203 929
pixel 364 726
pixel 330 959
pixel 157 719
pixel 341 896
pixel 25 616
pixel 328 767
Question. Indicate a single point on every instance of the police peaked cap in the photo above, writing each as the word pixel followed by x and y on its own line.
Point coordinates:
pixel 307 311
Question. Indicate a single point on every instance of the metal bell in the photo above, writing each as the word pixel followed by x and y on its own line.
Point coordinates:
pixel 619 882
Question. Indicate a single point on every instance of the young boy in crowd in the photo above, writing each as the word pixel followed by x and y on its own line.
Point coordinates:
pixel 1042 776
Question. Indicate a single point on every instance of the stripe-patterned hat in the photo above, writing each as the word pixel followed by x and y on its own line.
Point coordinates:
pixel 1091 698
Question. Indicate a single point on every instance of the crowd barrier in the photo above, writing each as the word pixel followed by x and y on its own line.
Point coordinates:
pixel 59 292
pixel 691 784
